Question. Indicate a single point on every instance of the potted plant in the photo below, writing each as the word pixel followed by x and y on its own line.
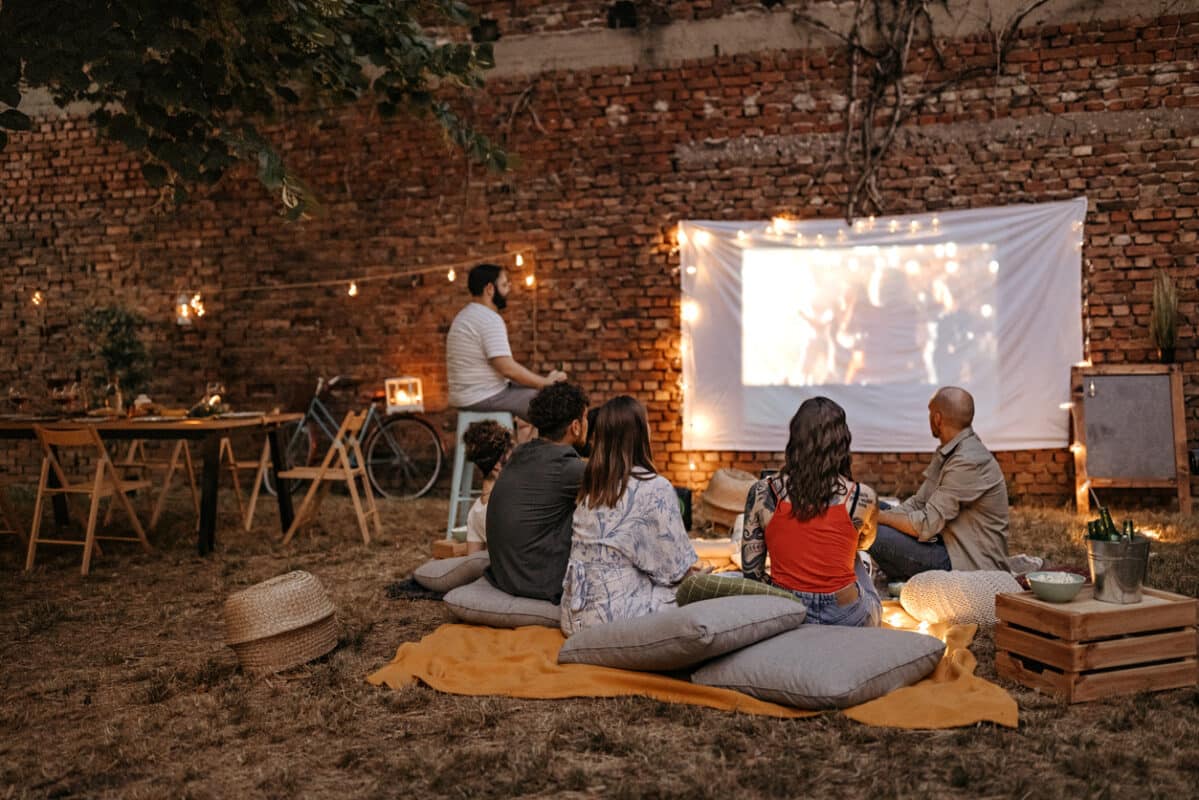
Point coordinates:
pixel 113 333
pixel 1163 320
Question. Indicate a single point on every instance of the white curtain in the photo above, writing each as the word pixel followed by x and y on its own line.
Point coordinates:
pixel 878 314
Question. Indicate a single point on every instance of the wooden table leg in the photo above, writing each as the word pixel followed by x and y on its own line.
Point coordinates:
pixel 208 493
pixel 62 512
pixel 282 486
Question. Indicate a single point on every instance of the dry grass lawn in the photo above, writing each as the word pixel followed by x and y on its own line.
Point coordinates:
pixel 118 685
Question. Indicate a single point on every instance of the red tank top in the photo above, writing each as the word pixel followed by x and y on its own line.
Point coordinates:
pixel 814 555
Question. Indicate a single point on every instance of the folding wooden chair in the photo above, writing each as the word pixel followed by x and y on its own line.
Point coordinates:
pixel 343 462
pixel 180 460
pixel 105 482
pixel 260 466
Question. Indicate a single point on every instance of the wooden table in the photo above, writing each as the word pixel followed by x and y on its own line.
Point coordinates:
pixel 1088 650
pixel 209 431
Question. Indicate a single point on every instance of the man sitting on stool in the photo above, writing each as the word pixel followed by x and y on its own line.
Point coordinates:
pixel 959 517
pixel 481 372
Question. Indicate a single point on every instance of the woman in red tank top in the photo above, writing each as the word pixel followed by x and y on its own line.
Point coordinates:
pixel 811 519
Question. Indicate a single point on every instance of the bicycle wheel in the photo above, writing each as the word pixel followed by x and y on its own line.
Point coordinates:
pixel 403 457
pixel 298 449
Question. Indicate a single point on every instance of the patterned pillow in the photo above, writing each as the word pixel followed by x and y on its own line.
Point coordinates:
pixel 443 574
pixel 825 666
pixel 956 597
pixel 676 638
pixel 706 587
pixel 480 603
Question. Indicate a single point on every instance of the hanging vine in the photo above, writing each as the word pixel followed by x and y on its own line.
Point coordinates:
pixel 881 90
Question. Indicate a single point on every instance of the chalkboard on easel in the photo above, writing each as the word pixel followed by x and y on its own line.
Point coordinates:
pixel 1129 430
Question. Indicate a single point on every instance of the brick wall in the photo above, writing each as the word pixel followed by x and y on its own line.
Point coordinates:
pixel 610 160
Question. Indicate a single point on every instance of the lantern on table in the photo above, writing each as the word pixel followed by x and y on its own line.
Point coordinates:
pixel 404 395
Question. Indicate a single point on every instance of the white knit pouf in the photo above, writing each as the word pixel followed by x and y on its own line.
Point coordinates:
pixel 956 597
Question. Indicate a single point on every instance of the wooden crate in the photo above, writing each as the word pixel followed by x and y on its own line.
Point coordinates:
pixel 1088 650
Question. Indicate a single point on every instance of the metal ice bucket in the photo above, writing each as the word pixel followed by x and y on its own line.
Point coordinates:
pixel 1118 569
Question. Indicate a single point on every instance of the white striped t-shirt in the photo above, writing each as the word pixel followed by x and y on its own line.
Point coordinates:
pixel 476 335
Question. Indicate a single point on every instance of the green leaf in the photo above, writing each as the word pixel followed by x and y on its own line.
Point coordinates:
pixel 155 175
pixel 14 120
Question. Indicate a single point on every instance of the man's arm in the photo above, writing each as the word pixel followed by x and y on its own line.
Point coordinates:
pixel 513 371
pixel 961 483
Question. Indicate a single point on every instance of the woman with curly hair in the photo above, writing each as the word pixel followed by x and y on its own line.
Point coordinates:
pixel 628 550
pixel 488 445
pixel 811 519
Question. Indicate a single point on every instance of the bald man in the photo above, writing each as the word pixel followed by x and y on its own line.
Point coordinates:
pixel 959 517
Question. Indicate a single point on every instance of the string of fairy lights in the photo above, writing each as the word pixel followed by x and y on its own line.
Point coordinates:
pixel 189 306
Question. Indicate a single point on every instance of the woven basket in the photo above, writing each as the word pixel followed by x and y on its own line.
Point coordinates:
pixel 280 623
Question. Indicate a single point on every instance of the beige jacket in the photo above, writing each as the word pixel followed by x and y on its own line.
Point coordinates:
pixel 964 499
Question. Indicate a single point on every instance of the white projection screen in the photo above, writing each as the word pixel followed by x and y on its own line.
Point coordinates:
pixel 878 314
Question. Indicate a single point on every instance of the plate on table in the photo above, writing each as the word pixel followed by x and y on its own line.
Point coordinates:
pixel 153 418
pixel 241 414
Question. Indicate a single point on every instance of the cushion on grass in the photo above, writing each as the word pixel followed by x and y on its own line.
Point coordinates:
pixel 443 574
pixel 956 597
pixel 480 603
pixel 695 588
pixel 676 638
pixel 825 666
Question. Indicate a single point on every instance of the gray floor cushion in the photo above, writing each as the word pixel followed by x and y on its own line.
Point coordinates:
pixel 443 574
pixel 825 666
pixel 480 603
pixel 676 638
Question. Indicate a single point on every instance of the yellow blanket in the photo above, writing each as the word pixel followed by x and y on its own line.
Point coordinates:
pixel 471 660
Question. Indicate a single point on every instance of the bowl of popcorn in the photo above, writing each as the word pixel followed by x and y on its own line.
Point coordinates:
pixel 1055 587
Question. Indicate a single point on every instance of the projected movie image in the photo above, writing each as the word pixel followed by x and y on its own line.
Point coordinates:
pixel 915 314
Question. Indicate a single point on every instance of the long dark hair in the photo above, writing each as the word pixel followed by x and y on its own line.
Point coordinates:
pixel 620 443
pixel 817 457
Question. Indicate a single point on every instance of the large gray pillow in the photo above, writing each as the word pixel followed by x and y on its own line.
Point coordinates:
pixel 676 638
pixel 443 574
pixel 480 603
pixel 825 666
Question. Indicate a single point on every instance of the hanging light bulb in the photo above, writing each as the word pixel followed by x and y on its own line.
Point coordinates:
pixel 38 298
pixel 353 290
pixel 449 276
pixel 529 281
pixel 183 310
pixel 520 260
pixel 197 304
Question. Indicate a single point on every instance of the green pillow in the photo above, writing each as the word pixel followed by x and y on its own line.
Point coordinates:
pixel 706 587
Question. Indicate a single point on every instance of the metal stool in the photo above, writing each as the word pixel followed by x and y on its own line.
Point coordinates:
pixel 462 489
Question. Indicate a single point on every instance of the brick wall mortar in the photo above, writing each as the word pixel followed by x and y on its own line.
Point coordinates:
pixel 611 159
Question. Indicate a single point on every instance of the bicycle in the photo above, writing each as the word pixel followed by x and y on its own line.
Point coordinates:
pixel 403 451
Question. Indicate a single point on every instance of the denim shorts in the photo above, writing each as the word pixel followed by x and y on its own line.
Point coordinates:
pixel 865 612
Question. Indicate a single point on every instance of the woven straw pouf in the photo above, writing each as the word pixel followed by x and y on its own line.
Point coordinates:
pixel 280 623
pixel 956 597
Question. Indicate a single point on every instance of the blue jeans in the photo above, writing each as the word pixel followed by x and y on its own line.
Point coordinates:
pixel 902 556
pixel 864 612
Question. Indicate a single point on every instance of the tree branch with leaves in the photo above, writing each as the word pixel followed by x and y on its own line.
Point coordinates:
pixel 186 85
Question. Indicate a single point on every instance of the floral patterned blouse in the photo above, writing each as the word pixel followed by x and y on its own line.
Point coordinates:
pixel 625 561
